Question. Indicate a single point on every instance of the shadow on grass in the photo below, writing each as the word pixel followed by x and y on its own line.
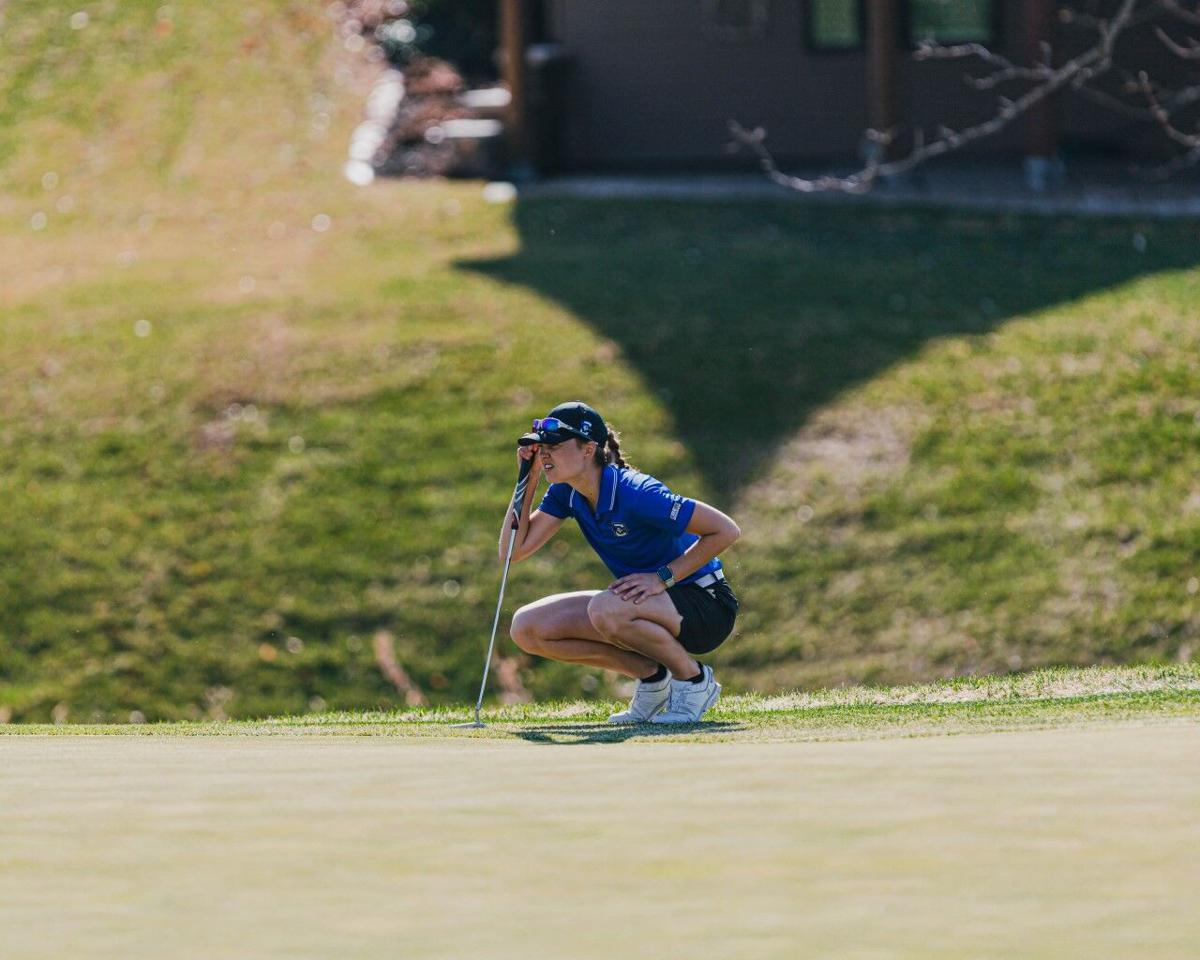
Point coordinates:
pixel 563 734
pixel 745 318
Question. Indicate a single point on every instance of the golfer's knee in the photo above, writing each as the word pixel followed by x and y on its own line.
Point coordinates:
pixel 525 631
pixel 607 613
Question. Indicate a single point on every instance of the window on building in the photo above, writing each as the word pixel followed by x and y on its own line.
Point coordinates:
pixel 736 19
pixel 834 25
pixel 952 21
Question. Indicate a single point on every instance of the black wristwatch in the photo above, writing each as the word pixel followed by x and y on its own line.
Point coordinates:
pixel 667 577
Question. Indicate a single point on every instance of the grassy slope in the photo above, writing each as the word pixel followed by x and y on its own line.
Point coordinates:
pixel 955 443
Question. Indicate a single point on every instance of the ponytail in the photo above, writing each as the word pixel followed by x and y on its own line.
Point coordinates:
pixel 611 452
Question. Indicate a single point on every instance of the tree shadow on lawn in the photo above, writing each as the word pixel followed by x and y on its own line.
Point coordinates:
pixel 562 734
pixel 745 318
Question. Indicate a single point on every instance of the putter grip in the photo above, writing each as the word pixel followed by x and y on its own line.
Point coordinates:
pixel 526 466
pixel 519 492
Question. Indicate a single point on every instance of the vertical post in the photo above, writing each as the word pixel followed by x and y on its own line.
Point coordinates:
pixel 1043 166
pixel 514 71
pixel 883 75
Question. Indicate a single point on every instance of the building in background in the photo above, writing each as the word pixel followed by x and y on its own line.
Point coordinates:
pixel 651 84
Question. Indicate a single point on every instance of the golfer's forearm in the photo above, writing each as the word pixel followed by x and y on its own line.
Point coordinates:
pixel 523 527
pixel 506 530
pixel 505 533
pixel 709 545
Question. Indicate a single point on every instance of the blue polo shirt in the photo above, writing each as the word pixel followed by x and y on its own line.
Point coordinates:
pixel 638 525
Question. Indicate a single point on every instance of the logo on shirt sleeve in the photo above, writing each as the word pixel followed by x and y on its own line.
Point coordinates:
pixel 675 510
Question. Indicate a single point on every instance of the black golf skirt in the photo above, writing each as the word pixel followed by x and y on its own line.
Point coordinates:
pixel 708 614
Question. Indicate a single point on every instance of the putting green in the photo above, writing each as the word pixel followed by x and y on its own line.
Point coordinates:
pixel 1051 843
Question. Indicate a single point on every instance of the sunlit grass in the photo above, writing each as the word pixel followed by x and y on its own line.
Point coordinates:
pixel 1041 699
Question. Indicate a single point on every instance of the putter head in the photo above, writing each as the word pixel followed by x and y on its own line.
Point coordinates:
pixel 473 725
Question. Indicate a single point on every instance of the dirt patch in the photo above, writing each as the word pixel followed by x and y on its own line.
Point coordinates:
pixel 831 461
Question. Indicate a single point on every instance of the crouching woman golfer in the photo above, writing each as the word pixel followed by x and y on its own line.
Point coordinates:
pixel 670 601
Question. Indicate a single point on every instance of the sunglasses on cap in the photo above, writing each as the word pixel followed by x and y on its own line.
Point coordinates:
pixel 554 425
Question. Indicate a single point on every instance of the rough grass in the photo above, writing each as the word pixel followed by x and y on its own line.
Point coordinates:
pixel 235 449
pixel 1041 699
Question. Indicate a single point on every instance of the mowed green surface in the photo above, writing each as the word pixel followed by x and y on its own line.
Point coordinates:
pixel 1062 843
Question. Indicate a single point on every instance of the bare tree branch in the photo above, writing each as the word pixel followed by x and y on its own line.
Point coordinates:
pixel 1189 140
pixel 931 50
pixel 1005 69
pixel 1115 104
pixel 1182 98
pixel 1152 10
pixel 1177 10
pixel 1190 52
pixel 1076 73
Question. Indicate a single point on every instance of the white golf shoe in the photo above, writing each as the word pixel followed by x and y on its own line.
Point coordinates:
pixel 648 700
pixel 690 700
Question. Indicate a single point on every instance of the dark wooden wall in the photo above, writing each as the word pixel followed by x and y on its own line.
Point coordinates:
pixel 652 83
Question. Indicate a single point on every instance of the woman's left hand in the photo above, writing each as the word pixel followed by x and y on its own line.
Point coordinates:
pixel 638 586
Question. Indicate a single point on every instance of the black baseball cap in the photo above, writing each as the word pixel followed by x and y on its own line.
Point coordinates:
pixel 575 419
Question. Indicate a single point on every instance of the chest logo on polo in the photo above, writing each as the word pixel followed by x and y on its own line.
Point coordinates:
pixel 619 529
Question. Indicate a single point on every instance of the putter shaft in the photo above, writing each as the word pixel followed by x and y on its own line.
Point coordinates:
pixel 515 511
pixel 512 539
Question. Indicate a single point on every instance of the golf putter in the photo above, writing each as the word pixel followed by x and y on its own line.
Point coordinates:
pixel 527 440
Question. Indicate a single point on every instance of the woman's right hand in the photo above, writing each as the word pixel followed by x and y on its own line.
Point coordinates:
pixel 530 452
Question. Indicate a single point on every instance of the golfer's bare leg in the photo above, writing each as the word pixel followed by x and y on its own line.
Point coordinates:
pixel 558 628
pixel 650 627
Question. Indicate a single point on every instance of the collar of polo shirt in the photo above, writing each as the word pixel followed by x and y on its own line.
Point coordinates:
pixel 608 490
